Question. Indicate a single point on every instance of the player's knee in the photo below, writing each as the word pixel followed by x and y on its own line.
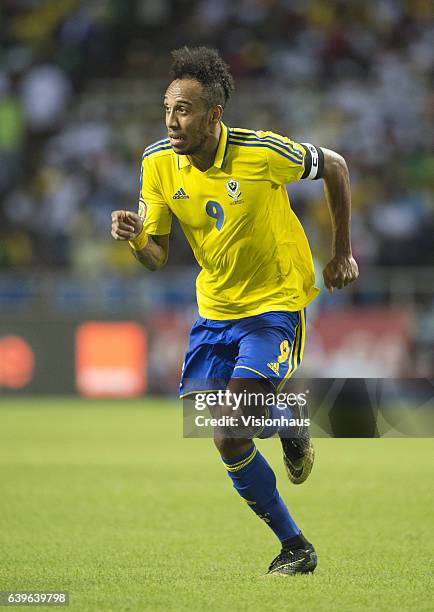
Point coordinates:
pixel 231 447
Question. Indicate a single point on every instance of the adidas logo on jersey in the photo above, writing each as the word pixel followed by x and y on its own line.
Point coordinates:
pixel 180 195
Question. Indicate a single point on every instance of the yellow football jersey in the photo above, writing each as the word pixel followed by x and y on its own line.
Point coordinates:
pixel 251 247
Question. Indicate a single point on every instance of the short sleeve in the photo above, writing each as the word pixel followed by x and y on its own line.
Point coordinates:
pixel 291 161
pixel 153 209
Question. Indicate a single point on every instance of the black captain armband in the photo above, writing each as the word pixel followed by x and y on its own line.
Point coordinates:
pixel 313 162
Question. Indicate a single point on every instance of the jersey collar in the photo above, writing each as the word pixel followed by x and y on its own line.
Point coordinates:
pixel 220 155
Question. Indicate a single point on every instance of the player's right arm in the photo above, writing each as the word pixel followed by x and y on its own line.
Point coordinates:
pixel 151 251
pixel 148 230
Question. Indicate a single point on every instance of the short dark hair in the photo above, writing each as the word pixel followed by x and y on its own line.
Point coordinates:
pixel 206 66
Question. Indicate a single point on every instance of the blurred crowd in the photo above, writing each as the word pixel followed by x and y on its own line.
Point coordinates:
pixel 349 75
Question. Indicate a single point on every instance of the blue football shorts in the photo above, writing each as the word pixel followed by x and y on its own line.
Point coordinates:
pixel 266 346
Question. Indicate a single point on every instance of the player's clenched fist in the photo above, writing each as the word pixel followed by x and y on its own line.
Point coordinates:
pixel 126 225
pixel 340 271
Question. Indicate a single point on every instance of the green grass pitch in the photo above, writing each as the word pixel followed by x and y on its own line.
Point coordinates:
pixel 107 501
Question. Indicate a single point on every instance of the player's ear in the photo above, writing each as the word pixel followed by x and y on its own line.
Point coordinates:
pixel 216 113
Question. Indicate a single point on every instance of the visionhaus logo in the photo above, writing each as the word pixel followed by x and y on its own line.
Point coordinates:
pixel 338 407
pixel 246 413
pixel 250 421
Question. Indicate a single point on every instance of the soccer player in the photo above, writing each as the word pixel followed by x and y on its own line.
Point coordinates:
pixel 227 188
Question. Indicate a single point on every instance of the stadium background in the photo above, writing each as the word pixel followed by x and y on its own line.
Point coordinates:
pixel 103 497
pixel 80 97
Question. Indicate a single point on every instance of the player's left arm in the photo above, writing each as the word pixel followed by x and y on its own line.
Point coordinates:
pixel 342 268
pixel 293 161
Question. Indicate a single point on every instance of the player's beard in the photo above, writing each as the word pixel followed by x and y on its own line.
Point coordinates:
pixel 202 137
pixel 196 148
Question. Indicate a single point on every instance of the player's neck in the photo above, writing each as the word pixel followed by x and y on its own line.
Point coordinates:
pixel 204 159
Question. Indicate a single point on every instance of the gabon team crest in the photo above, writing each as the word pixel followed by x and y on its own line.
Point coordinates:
pixel 234 192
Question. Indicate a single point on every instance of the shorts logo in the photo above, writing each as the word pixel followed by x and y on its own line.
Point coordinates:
pixel 284 354
pixel 273 366
pixel 234 192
